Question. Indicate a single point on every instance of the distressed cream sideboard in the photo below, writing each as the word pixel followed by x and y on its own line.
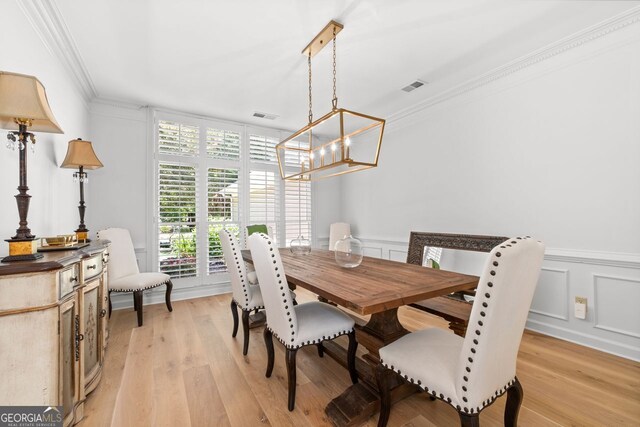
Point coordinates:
pixel 53 328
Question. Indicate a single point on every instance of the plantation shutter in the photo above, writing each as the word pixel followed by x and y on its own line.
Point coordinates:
pixel 223 144
pixel 177 210
pixel 178 139
pixel 264 199
pixel 263 149
pixel 297 210
pixel 223 211
pixel 214 175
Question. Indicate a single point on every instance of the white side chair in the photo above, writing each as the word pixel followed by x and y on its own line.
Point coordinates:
pixel 337 231
pixel 124 275
pixel 246 292
pixel 310 323
pixel 471 373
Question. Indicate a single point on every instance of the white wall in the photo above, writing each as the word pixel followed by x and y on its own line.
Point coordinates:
pixel 117 195
pixel 53 209
pixel 552 151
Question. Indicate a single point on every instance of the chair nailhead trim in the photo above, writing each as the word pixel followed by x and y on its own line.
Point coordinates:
pixel 140 289
pixel 478 333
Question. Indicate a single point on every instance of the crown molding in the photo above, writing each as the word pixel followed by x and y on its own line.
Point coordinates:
pixel 48 23
pixel 580 38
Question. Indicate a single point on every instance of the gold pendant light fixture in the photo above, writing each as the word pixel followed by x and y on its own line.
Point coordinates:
pixel 342 141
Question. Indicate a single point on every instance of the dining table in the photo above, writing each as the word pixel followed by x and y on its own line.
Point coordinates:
pixel 377 287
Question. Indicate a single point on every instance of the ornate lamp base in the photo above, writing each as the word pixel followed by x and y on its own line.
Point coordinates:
pixel 82 235
pixel 22 250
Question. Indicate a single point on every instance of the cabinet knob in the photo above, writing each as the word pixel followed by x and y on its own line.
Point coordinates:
pixel 73 279
pixel 80 337
pixel 92 267
pixel 103 312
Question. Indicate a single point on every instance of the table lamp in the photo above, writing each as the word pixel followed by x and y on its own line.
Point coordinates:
pixel 24 106
pixel 80 155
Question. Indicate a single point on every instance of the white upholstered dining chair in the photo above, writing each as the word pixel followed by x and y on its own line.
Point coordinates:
pixel 310 323
pixel 124 275
pixel 337 231
pixel 244 286
pixel 471 373
pixel 245 289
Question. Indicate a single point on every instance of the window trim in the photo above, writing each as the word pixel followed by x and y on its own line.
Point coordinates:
pixel 203 163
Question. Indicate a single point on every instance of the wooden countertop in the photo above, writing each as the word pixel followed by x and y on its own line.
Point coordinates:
pixel 52 260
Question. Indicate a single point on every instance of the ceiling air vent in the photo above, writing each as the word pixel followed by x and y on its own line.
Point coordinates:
pixel 266 116
pixel 413 86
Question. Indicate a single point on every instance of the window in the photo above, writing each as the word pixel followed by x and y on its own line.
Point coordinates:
pixel 264 199
pixel 297 204
pixel 223 211
pixel 177 204
pixel 209 176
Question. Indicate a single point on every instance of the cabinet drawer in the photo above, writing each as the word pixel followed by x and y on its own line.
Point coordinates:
pixel 92 267
pixel 68 279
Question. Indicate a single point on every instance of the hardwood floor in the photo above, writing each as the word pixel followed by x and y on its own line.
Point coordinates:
pixel 185 369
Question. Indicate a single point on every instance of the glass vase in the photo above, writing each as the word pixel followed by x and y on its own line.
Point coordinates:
pixel 300 246
pixel 348 252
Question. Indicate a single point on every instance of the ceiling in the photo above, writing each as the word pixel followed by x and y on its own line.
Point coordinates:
pixel 227 59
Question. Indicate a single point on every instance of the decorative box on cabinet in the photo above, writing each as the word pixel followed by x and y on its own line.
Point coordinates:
pixel 53 329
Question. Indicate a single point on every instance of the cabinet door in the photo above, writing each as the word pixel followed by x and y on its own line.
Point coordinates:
pixel 69 357
pixel 92 349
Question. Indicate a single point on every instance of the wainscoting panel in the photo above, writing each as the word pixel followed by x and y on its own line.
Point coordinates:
pixel 396 255
pixel 623 295
pixel 372 251
pixel 552 294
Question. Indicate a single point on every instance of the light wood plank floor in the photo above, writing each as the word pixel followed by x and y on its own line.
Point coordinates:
pixel 185 369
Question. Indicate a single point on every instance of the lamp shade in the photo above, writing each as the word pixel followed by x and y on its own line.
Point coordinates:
pixel 80 153
pixel 23 98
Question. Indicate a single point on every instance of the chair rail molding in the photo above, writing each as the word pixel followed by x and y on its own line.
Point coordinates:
pixel 597 31
pixel 48 23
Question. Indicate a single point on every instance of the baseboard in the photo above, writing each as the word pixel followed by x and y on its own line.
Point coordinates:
pixel 156 296
pixel 586 340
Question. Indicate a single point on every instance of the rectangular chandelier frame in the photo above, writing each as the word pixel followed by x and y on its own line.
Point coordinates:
pixel 334 158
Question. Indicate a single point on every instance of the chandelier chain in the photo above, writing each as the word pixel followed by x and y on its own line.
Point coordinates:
pixel 310 99
pixel 334 101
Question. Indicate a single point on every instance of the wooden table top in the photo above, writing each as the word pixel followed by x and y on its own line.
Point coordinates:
pixel 374 286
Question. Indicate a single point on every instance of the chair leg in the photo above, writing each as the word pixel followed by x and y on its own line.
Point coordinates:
pixel 320 349
pixel 234 314
pixel 290 357
pixel 110 306
pixel 167 295
pixel 135 302
pixel 515 395
pixel 351 357
pixel 245 329
pixel 469 420
pixel 137 297
pixel 383 378
pixel 268 341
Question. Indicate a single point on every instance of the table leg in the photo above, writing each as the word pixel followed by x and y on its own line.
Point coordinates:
pixel 360 401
